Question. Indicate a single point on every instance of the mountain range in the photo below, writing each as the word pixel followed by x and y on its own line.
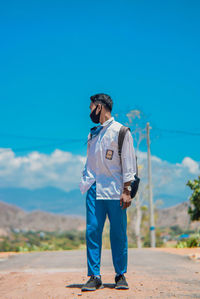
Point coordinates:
pixel 14 218
pixel 48 199
pixel 54 200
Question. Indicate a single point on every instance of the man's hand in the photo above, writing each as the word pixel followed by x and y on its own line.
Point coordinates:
pixel 125 200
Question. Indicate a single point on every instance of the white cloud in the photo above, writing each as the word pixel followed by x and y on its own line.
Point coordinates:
pixel 63 170
pixel 36 170
pixel 168 179
pixel 143 156
pixel 192 165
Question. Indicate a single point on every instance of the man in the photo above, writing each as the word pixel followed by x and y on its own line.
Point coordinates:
pixel 107 179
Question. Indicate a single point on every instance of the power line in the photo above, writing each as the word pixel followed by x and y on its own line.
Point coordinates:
pixel 56 141
pixel 178 132
pixel 62 141
pixel 10 135
pixel 31 137
pixel 25 149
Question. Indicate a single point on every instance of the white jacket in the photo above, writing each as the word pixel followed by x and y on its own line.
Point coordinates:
pixel 103 163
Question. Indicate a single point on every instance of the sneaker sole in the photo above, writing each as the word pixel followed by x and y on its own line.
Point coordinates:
pixel 91 289
pixel 122 288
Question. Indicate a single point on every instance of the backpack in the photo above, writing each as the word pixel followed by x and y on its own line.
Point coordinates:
pixel 135 183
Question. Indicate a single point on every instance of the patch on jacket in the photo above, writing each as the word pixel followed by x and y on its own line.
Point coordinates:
pixel 109 154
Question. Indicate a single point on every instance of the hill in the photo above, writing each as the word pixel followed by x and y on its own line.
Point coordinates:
pixel 55 200
pixel 14 218
pixel 176 216
pixel 47 199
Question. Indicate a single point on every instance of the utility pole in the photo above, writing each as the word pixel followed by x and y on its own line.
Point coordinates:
pixel 151 208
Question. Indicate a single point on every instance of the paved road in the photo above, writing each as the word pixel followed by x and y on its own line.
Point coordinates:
pixel 177 270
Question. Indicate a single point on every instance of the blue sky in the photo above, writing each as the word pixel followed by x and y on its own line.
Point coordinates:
pixel 55 54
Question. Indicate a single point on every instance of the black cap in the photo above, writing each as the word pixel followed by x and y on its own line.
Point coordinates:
pixel 102 98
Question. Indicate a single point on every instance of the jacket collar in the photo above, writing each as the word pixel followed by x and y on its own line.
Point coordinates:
pixel 108 122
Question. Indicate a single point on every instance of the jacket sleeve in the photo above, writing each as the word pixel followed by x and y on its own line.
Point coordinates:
pixel 128 158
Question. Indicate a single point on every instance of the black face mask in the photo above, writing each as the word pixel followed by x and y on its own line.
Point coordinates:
pixel 95 117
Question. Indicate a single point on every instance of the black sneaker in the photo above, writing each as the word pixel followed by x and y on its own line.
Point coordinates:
pixel 121 283
pixel 92 284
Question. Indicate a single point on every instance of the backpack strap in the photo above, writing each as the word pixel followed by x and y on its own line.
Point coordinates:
pixel 122 133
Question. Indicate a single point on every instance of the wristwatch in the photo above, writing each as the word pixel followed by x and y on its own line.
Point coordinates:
pixel 128 188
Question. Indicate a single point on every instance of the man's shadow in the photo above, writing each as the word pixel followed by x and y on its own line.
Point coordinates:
pixel 79 286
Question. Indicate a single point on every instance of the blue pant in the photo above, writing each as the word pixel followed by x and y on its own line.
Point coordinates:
pixel 96 216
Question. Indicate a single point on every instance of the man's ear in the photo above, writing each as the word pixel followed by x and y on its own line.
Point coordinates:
pixel 99 107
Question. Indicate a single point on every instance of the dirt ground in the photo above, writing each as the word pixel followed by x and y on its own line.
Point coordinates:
pixel 181 251
pixel 47 284
pixel 68 285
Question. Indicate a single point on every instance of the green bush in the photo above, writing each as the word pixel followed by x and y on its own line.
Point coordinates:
pixel 41 241
pixel 181 244
pixel 193 241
